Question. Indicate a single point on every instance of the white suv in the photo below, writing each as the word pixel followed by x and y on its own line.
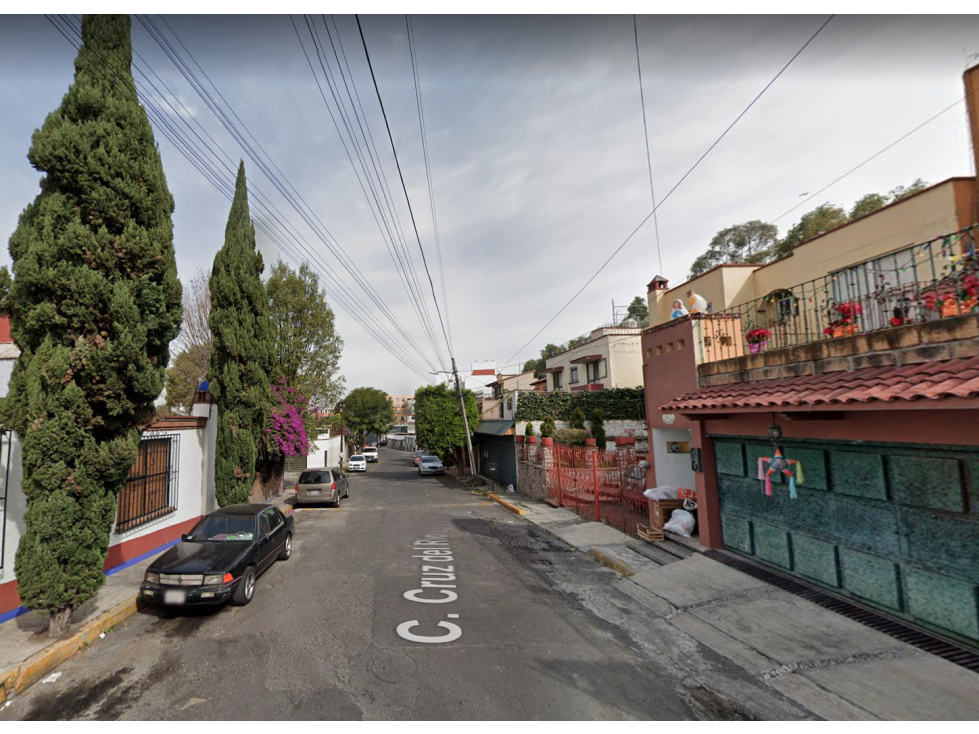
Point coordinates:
pixel 370 454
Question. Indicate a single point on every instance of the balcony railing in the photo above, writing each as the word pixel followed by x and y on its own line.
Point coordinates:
pixel 925 282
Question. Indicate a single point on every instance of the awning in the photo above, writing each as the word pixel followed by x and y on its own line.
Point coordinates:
pixel 954 378
pixel 591 358
pixel 495 428
pixel 553 369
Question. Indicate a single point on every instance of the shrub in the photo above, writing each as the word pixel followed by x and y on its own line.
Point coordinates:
pixel 597 418
pixel 577 419
pixel 529 429
pixel 547 427
pixel 571 436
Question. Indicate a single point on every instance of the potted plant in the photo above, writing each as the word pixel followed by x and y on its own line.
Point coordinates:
pixel 757 339
pixel 955 301
pixel 846 322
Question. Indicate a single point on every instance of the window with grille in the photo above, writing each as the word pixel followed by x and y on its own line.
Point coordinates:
pixel 151 489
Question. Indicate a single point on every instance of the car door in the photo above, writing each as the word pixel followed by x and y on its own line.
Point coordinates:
pixel 278 533
pixel 265 546
pixel 341 480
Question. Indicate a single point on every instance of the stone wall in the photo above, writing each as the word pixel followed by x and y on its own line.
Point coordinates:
pixel 532 480
pixel 931 341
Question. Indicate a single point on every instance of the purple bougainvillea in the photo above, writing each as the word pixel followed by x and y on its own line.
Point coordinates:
pixel 287 434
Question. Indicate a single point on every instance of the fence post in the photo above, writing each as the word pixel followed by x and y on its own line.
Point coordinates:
pixel 560 487
pixel 594 472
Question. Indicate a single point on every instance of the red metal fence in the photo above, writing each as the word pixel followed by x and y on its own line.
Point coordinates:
pixel 601 485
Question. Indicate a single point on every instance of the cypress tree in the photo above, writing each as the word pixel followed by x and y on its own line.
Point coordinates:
pixel 241 353
pixel 93 306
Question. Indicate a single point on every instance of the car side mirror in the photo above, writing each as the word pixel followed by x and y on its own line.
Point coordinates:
pixel 185 536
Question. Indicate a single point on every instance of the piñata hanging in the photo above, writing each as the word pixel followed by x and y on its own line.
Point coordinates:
pixel 792 468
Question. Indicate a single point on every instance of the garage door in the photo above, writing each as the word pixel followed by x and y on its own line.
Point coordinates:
pixel 891 525
pixel 295 464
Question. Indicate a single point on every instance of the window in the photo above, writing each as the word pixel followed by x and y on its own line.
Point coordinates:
pixel 264 526
pixel 275 520
pixel 151 489
pixel 596 370
pixel 574 376
pixel 882 285
pixel 558 383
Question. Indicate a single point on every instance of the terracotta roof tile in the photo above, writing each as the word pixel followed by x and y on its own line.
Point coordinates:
pixel 955 378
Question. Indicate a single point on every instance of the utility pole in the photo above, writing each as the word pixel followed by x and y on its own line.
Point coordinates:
pixel 465 418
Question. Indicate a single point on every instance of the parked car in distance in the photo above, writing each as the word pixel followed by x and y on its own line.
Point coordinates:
pixel 220 559
pixel 430 465
pixel 357 462
pixel 382 442
pixel 322 484
pixel 370 453
pixel 418 454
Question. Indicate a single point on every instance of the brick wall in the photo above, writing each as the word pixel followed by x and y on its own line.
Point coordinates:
pixel 931 341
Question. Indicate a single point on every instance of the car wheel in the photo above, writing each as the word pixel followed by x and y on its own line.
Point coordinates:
pixel 286 549
pixel 245 589
pixel 346 492
pixel 336 502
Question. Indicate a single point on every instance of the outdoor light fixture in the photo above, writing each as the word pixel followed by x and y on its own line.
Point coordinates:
pixel 775 430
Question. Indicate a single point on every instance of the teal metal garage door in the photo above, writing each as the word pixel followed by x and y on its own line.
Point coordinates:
pixel 891 525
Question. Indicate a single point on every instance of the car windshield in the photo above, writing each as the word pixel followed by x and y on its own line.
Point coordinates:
pixel 315 477
pixel 430 460
pixel 357 458
pixel 224 528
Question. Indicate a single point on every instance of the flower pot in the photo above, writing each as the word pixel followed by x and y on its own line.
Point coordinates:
pixel 519 439
pixel 957 307
pixel 756 347
pixel 547 442
pixel 591 442
pixel 845 330
pixel 625 440
pixel 531 439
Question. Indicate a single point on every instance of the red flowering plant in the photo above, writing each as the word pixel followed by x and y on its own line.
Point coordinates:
pixel 847 313
pixel 758 336
pixel 287 434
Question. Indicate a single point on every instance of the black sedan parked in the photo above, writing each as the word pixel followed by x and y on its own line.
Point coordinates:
pixel 221 557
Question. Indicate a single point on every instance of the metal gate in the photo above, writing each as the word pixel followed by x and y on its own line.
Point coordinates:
pixel 893 525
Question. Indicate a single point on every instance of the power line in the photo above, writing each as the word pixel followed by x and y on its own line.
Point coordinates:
pixel 875 155
pixel 676 186
pixel 199 159
pixel 401 176
pixel 645 131
pixel 414 294
pixel 428 167
pixel 266 165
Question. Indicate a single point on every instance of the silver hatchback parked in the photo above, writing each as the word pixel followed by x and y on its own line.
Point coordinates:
pixel 323 484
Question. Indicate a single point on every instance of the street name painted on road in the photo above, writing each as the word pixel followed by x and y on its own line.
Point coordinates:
pixel 436 583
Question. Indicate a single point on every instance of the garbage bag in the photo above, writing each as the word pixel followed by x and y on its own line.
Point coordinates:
pixel 666 492
pixel 681 522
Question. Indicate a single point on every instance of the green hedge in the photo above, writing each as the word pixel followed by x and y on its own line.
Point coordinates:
pixel 618 404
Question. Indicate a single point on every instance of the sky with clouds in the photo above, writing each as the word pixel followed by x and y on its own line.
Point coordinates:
pixel 535 140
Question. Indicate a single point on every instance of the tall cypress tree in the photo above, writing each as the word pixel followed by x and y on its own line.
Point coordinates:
pixel 93 305
pixel 242 353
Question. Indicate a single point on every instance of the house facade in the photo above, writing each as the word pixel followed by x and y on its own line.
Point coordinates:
pixel 831 400
pixel 610 358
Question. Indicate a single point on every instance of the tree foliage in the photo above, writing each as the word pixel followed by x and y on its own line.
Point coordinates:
pixel 750 242
pixel 242 353
pixel 307 345
pixel 367 410
pixel 438 423
pixel 288 436
pixel 639 311
pixel 620 403
pixel 597 419
pixel 577 418
pixel 811 224
pixel 867 204
pixel 94 304
pixel 189 369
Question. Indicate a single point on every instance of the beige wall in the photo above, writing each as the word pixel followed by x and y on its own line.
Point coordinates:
pixel 621 350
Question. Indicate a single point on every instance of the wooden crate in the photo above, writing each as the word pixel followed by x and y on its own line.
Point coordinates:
pixel 649 534
pixel 660 510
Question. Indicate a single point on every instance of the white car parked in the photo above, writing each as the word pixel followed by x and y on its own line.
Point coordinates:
pixel 370 453
pixel 357 463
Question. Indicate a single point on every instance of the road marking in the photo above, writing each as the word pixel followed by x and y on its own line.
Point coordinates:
pixel 433 548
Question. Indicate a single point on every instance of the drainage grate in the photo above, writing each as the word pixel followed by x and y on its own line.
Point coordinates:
pixel 927 641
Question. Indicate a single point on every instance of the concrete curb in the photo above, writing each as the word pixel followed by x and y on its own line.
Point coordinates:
pixel 611 563
pixel 44 661
pixel 510 506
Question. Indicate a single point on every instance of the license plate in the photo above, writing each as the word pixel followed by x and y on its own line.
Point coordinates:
pixel 313 491
pixel 174 596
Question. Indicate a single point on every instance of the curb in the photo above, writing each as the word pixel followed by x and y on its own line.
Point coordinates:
pixel 41 663
pixel 511 507
pixel 611 563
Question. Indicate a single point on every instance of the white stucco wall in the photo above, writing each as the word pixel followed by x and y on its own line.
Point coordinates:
pixel 671 469
pixel 326 451
pixel 16 504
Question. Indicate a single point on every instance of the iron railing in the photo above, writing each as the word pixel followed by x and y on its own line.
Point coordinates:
pixel 151 489
pixel 6 453
pixel 925 282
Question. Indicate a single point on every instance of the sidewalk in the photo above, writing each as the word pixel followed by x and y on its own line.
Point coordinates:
pixel 27 654
pixel 834 667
